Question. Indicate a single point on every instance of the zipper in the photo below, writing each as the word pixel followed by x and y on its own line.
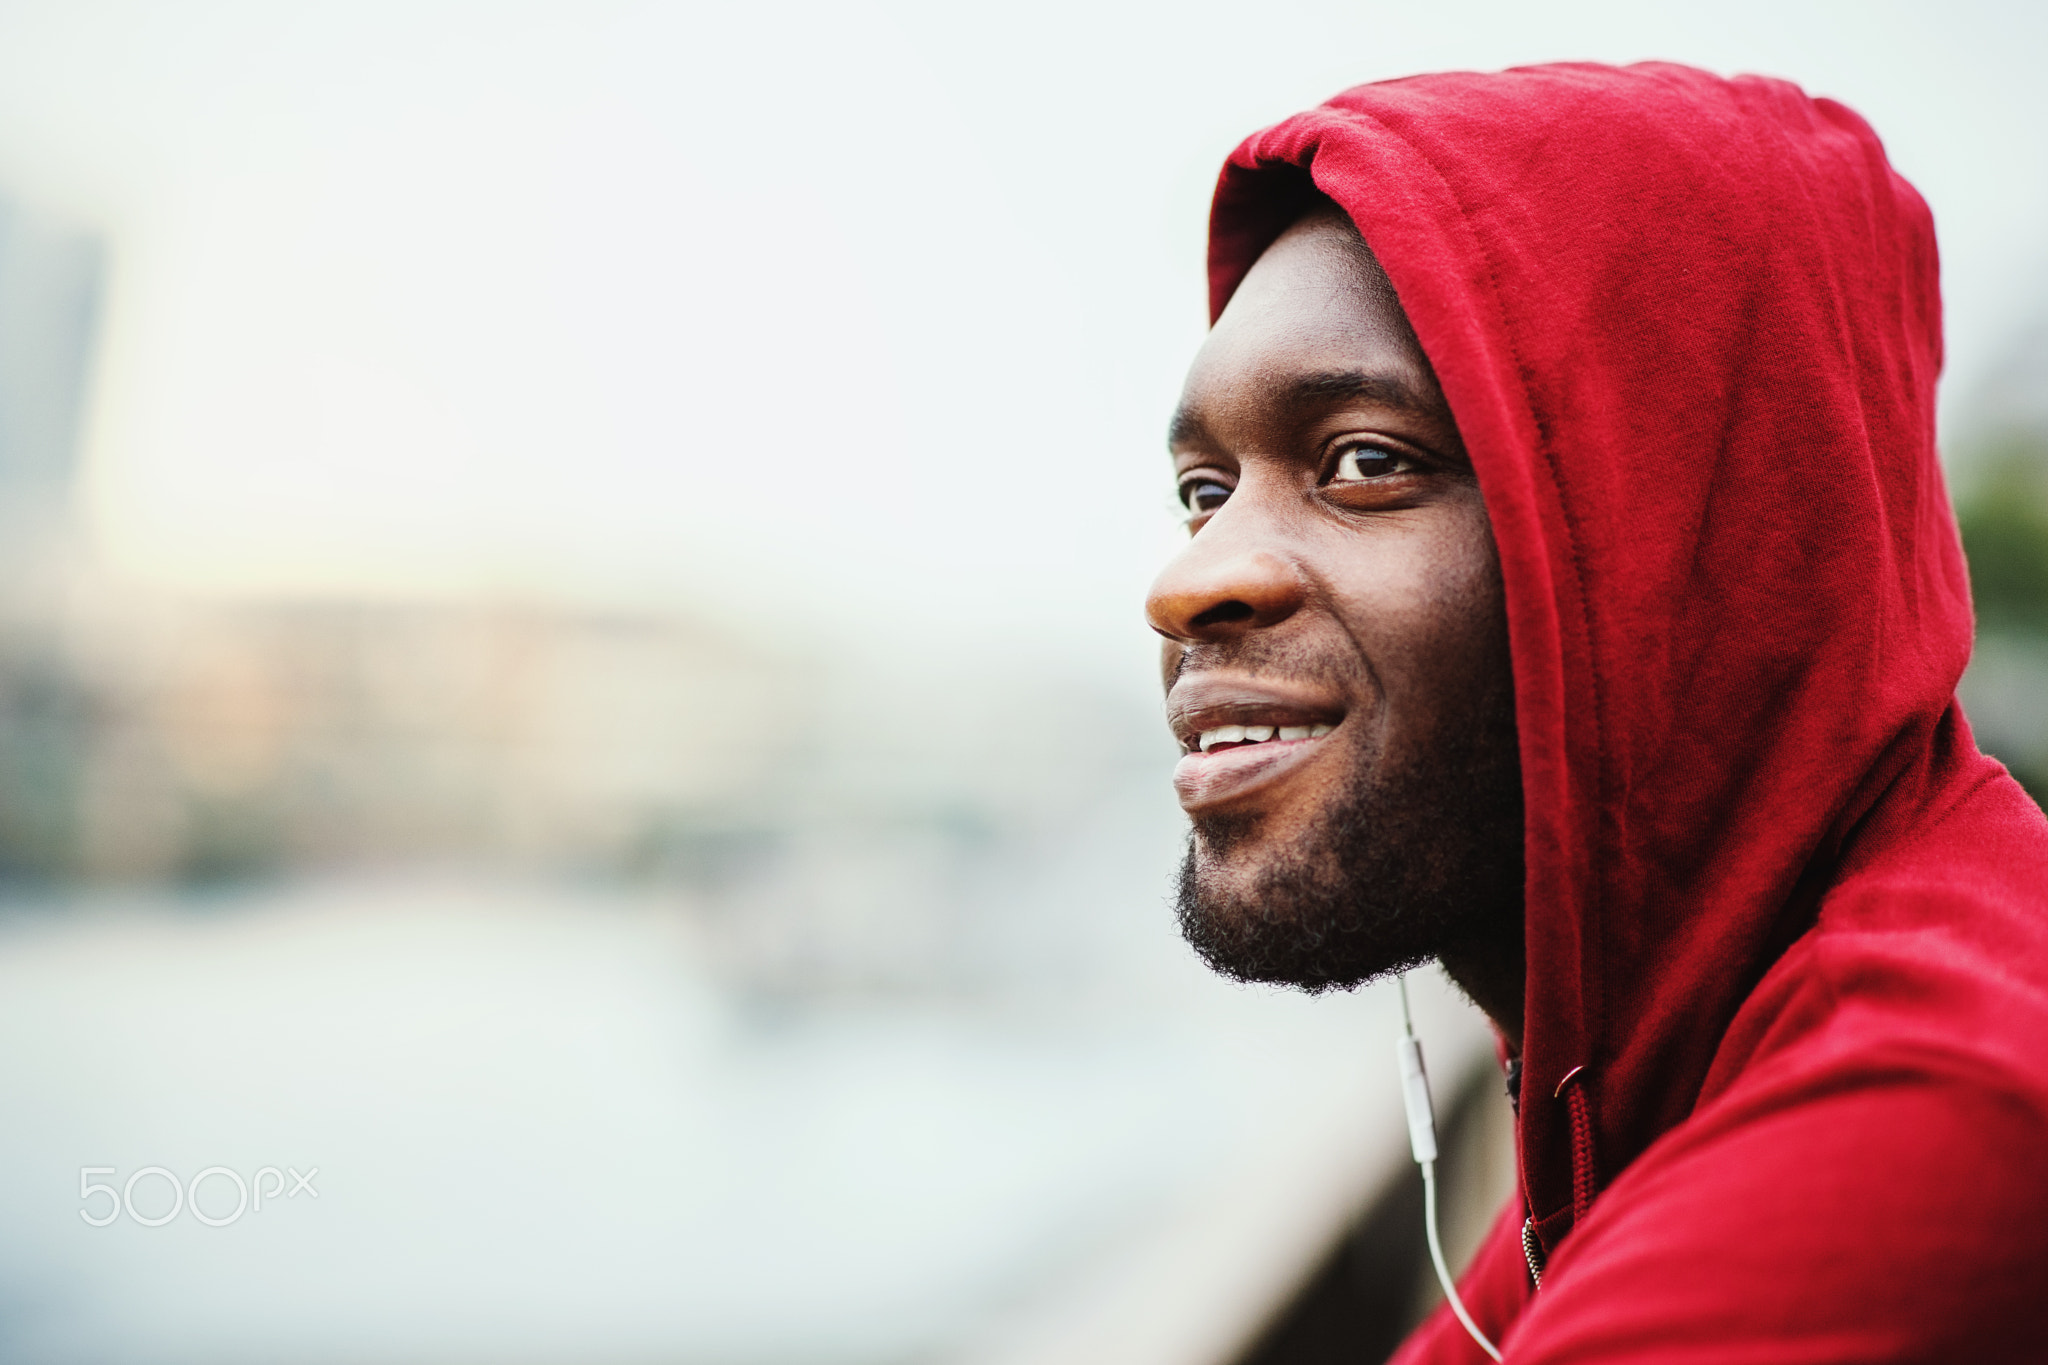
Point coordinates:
pixel 1532 1250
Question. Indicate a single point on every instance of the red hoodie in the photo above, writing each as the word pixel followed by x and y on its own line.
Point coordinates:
pixel 1785 1071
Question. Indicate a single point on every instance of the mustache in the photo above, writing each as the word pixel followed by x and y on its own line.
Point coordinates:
pixel 1264 658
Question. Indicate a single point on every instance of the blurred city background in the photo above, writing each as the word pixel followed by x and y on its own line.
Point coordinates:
pixel 570 656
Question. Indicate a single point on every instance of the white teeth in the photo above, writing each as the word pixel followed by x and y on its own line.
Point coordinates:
pixel 1258 734
pixel 1222 734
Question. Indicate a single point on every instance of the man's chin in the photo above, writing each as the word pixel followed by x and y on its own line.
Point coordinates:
pixel 1405 864
pixel 1285 926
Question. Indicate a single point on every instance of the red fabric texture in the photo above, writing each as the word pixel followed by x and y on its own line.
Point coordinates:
pixel 1789 921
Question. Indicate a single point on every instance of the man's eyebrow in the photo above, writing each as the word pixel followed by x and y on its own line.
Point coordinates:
pixel 1185 429
pixel 1323 386
pixel 1387 390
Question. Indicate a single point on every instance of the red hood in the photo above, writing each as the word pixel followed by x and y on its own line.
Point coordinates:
pixel 1665 307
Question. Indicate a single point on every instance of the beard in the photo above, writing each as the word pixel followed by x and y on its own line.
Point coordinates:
pixel 1410 862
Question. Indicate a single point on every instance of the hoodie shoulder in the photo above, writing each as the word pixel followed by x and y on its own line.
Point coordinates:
pixel 1862 1178
pixel 1881 1211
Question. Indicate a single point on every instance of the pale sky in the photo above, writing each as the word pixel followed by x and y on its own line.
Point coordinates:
pixel 863 318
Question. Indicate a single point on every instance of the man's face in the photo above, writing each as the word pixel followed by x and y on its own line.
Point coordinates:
pixel 1337 658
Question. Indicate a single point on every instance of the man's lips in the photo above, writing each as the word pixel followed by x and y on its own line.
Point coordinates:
pixel 1243 733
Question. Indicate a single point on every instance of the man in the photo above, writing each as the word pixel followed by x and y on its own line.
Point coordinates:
pixel 1573 597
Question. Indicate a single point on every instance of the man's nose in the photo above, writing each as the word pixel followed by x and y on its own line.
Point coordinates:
pixel 1223 586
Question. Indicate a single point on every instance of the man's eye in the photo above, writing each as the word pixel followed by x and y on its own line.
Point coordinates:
pixel 1203 495
pixel 1369 462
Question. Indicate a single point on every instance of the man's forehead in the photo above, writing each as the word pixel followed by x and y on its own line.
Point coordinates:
pixel 1318 264
pixel 1315 319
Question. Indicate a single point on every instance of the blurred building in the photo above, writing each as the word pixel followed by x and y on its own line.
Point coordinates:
pixel 225 740
pixel 50 285
pixel 825 831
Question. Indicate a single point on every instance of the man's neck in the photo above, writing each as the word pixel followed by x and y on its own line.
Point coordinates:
pixel 1491 975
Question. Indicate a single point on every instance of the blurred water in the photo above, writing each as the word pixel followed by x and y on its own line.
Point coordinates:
pixel 543 1131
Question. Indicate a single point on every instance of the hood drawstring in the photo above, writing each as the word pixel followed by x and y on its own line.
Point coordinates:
pixel 1585 1174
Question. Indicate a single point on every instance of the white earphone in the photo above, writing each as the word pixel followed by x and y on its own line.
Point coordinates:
pixel 1422 1141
